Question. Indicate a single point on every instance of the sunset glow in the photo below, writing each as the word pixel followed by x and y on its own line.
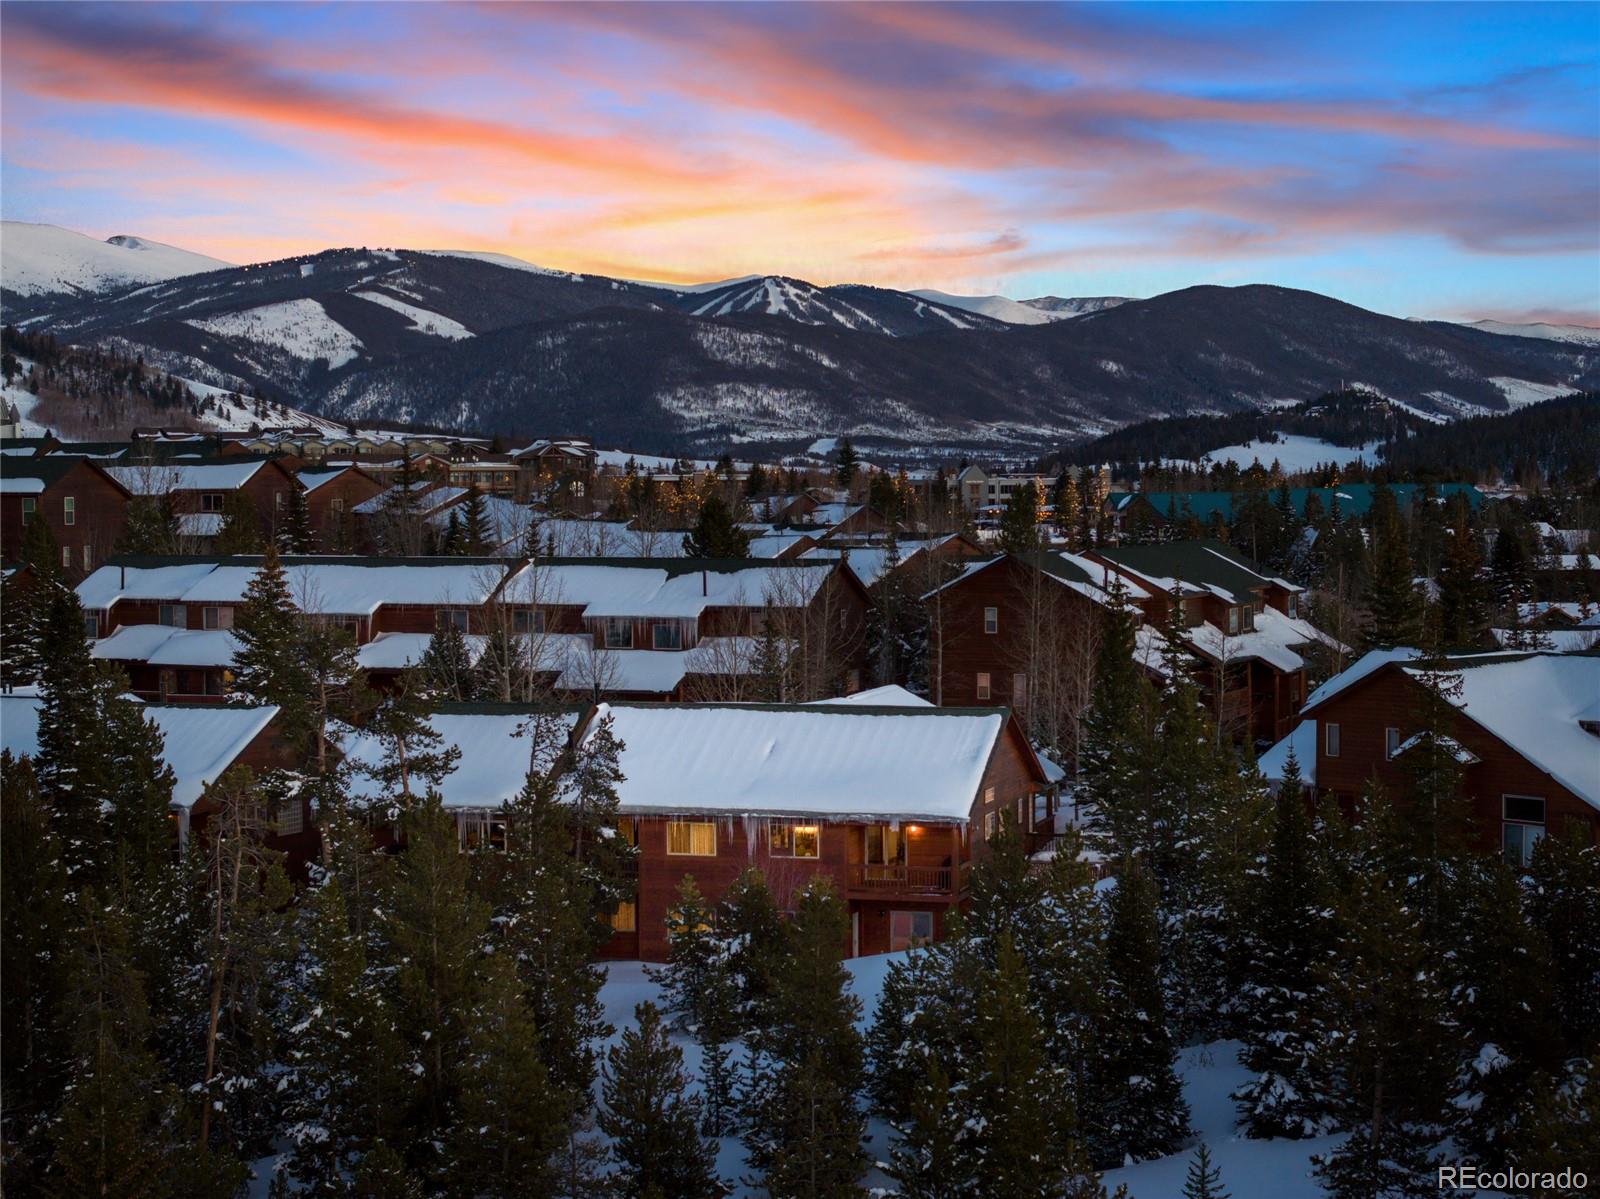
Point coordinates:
pixel 1431 160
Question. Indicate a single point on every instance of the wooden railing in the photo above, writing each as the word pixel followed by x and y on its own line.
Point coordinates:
pixel 900 880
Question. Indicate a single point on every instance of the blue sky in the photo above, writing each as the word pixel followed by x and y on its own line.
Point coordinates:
pixel 1428 160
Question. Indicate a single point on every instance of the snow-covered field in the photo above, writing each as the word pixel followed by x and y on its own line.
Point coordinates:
pixel 1278 1169
pixel 1001 308
pixel 1519 392
pixel 1293 452
pixel 422 320
pixel 1585 335
pixel 301 328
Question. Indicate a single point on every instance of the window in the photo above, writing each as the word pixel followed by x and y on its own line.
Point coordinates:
pixel 66 557
pixel 1019 690
pixel 277 500
pixel 666 636
pixel 216 618
pixel 452 616
pixel 171 615
pixel 1331 741
pixel 1523 828
pixel 527 620
pixel 1391 742
pixel 88 558
pixel 907 930
pixel 1022 813
pixel 626 918
pixel 692 838
pixel 1233 622
pixel 167 681
pixel 29 507
pixel 1294 607
pixel 991 620
pixel 619 632
pixel 291 818
pixel 91 625
pixel 1249 618
pixel 983 684
pixel 69 511
pixel 211 501
pixel 991 823
pixel 337 506
pixel 787 840
pixel 988 797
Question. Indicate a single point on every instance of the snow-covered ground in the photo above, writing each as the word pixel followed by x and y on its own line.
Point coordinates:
pixel 37 259
pixel 422 320
pixel 1293 452
pixel 1520 392
pixel 302 328
pixel 1585 335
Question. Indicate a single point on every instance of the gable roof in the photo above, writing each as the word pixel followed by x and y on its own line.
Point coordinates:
pixel 200 741
pixel 161 477
pixel 829 761
pixel 1206 563
pixel 32 476
pixel 666 588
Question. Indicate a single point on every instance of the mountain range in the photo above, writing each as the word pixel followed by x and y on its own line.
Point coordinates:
pixel 485 342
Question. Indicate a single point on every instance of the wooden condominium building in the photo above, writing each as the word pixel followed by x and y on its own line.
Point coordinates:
pixel 84 506
pixel 893 799
pixel 1524 728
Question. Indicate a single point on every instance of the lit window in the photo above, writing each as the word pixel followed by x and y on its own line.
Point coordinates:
pixel 619 632
pixel 667 636
pixel 886 846
pixel 1391 742
pixel 1523 828
pixel 907 930
pixel 983 684
pixel 69 511
pixel 991 620
pixel 1331 744
pixel 692 838
pixel 988 797
pixel 626 918
pixel 793 840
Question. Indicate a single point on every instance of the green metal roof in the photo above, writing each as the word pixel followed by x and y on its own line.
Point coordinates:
pixel 1355 499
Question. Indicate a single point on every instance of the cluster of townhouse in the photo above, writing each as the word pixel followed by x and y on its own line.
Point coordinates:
pixel 890 794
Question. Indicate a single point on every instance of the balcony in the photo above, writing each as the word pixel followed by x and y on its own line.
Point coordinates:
pixel 864 881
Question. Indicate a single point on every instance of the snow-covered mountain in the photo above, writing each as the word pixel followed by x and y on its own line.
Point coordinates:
pixel 1583 335
pixel 37 260
pixel 1076 305
pixel 852 306
pixel 1001 308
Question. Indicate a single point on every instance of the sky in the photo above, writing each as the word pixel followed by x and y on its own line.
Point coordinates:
pixel 1434 160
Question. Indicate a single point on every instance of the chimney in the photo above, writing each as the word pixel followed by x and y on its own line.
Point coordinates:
pixel 704 586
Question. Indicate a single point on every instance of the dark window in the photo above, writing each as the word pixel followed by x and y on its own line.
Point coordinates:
pixel 172 616
pixel 667 636
pixel 1331 746
pixel 453 616
pixel 619 633
pixel 211 501
pixel 907 930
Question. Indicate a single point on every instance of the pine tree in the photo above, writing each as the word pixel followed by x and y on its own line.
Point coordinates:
pixel 1564 904
pixel 849 462
pixel 1463 591
pixel 1394 606
pixel 1139 1110
pixel 295 535
pixel 268 666
pixel 692 952
pixel 1115 759
pixel 748 918
pixel 929 1158
pixel 476 536
pixel 1019 522
pixel 1290 936
pixel 152 526
pixel 240 532
pixel 415 757
pixel 716 532
pixel 805 1132
pixel 652 1117
pixel 446 667
pixel 512 1119
pixel 1203 1181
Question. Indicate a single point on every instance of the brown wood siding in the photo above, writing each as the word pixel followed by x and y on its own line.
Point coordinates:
pixel 100 512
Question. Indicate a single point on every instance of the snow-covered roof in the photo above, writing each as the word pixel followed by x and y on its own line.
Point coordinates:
pixel 313 479
pixel 161 478
pixel 494 756
pixel 1372 660
pixel 1566 641
pixel 890 696
pixel 15 486
pixel 507 521
pixel 347 589
pixel 1303 739
pixel 200 740
pixel 1274 641
pixel 109 584
pixel 199 524
pixel 607 539
pixel 829 761
pixel 160 645
pixel 1533 703
pixel 636 671
pixel 641 591
pixel 398 651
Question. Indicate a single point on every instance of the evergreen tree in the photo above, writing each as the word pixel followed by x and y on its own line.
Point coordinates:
pixel 446 668
pixel 268 667
pixel 749 920
pixel 477 537
pixel 929 1158
pixel 805 1132
pixel 1140 1111
pixel 1115 757
pixel 240 532
pixel 152 526
pixel 1463 591
pixel 1394 606
pixel 693 950
pixel 1203 1181
pixel 1289 939
pixel 415 758
pixel 716 532
pixel 1019 522
pixel 652 1118
pixel 295 535
pixel 849 463
pixel 1564 904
